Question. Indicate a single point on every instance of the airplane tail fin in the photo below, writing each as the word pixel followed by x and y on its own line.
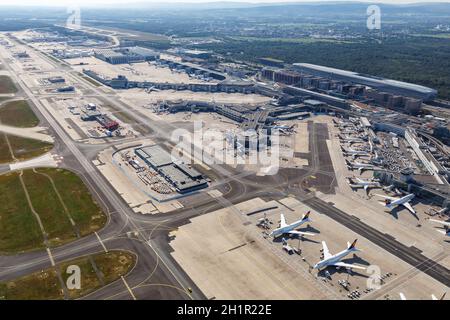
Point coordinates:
pixel 306 216
pixel 353 245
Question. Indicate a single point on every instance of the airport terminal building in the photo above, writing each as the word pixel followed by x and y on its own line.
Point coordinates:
pixel 381 84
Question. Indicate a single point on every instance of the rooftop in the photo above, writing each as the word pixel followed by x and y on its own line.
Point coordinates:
pixel 363 77
pixel 156 155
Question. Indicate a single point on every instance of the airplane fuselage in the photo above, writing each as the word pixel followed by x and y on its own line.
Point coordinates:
pixel 365 185
pixel 283 230
pixel 333 259
pixel 400 201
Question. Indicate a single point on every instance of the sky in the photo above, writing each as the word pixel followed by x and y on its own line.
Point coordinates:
pixel 103 2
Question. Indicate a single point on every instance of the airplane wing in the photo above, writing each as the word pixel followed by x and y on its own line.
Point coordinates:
pixel 300 233
pixel 441 222
pixel 387 197
pixel 282 221
pixel 347 265
pixel 408 206
pixel 402 296
pixel 359 180
pixel 326 252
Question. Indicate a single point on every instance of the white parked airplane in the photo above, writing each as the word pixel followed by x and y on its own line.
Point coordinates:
pixel 283 129
pixel 350 140
pixel 289 229
pixel 392 202
pixel 354 153
pixel 335 259
pixel 360 166
pixel 360 183
pixel 446 231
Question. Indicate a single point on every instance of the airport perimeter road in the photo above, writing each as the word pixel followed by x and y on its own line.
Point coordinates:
pixel 408 254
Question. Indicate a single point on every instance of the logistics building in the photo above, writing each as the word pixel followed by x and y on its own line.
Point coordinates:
pixel 181 176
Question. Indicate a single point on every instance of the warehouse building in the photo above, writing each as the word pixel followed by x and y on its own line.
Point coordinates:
pixel 111 56
pixel 56 80
pixel 139 54
pixel 181 176
pixel 66 89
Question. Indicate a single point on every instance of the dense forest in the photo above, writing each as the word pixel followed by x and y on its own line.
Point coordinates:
pixel 408 48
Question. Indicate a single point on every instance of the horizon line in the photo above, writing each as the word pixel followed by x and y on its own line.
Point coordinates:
pixel 206 2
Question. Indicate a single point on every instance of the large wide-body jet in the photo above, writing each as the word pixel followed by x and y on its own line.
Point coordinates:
pixel 354 153
pixel 360 166
pixel 289 229
pixel 360 183
pixel 350 140
pixel 334 260
pixel 393 202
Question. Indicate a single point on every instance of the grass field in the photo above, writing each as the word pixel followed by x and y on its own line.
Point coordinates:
pixel 5 155
pixel 6 85
pixel 18 114
pixel 22 148
pixel 44 285
pixel 55 203
pixel 84 211
pixel 19 230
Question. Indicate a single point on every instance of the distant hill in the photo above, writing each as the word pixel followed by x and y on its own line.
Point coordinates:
pixel 290 8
